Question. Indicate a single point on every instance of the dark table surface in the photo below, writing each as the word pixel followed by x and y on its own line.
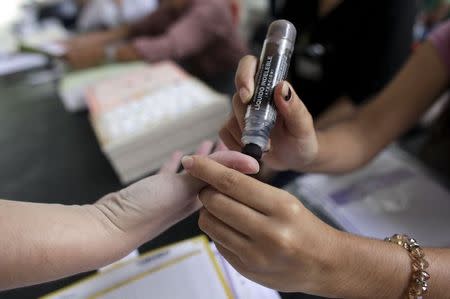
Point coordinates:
pixel 50 156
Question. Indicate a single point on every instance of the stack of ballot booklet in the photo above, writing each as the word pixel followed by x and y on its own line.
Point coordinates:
pixel 140 118
pixel 191 269
pixel 74 85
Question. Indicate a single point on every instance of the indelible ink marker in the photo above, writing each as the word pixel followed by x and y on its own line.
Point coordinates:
pixel 273 68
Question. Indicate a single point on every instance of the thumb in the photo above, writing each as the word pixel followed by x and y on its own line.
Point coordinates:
pixel 293 112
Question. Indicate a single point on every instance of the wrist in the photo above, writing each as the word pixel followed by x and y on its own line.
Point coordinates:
pixel 111 240
pixel 145 209
pixel 367 268
pixel 118 216
pixel 339 281
pixel 316 158
pixel 329 280
pixel 119 33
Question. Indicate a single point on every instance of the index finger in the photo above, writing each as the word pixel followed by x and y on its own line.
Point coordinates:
pixel 245 78
pixel 242 188
pixel 240 162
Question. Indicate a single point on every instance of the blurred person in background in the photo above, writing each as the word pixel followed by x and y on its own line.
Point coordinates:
pixel 434 11
pixel 201 35
pixel 346 51
pixel 431 13
pixel 104 14
pixel 66 11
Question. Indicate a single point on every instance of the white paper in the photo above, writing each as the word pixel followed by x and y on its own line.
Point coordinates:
pixel 8 42
pixel 192 269
pixel 73 87
pixel 21 62
pixel 134 254
pixel 186 270
pixel 47 38
pixel 241 287
pixel 393 194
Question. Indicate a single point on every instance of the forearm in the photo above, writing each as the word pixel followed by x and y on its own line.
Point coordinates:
pixel 366 268
pixel 342 109
pixel 43 242
pixel 353 142
pixel 153 24
pixel 100 38
pixel 184 38
pixel 341 148
pixel 118 33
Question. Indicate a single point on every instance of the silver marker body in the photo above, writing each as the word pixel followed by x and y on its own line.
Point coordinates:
pixel 273 68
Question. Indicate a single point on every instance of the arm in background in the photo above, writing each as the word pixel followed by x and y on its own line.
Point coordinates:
pixel 153 24
pixel 44 242
pixel 88 50
pixel 374 59
pixel 197 28
pixel 352 143
pixel 200 25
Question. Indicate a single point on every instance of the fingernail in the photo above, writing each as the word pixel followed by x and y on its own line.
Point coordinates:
pixel 286 92
pixel 244 94
pixel 187 162
pixel 177 154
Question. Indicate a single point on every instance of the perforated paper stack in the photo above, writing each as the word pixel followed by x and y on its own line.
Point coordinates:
pixel 72 88
pixel 142 117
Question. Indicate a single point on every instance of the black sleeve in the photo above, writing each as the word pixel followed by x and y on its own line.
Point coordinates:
pixel 381 49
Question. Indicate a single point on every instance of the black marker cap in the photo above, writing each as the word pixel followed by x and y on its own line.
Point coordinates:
pixel 253 150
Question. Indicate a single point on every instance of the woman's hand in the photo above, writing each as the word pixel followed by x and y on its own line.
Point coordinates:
pixel 293 141
pixel 87 50
pixel 127 52
pixel 264 232
pixel 81 57
pixel 84 40
pixel 98 38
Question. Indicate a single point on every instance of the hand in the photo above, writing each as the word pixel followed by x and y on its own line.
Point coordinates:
pixel 293 141
pixel 87 50
pixel 127 52
pixel 150 206
pixel 86 56
pixel 264 232
pixel 87 39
